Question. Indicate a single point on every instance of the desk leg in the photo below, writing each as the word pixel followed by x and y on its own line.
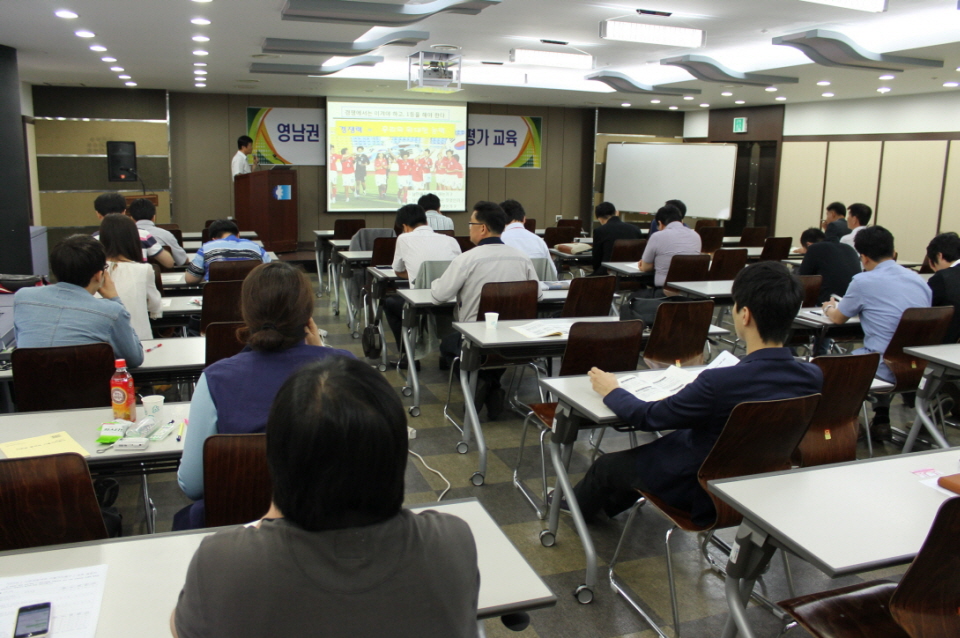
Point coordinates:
pixel 927 392
pixel 149 510
pixel 749 557
pixel 335 282
pixel 413 377
pixel 471 420
pixel 318 256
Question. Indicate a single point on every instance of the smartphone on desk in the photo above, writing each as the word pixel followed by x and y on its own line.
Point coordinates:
pixel 33 621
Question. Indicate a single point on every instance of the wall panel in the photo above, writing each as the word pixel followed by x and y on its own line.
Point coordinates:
pixel 802 167
pixel 76 209
pixel 74 137
pixel 950 215
pixel 853 173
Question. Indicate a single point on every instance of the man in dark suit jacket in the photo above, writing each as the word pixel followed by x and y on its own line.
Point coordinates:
pixel 611 229
pixel 837 263
pixel 766 299
pixel 943 252
pixel 835 222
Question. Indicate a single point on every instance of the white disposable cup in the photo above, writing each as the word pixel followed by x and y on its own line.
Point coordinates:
pixel 492 320
pixel 153 406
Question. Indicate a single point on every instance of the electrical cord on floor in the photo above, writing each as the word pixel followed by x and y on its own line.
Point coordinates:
pixel 444 492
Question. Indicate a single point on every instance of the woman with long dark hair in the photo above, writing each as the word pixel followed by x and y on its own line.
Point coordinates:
pixel 134 280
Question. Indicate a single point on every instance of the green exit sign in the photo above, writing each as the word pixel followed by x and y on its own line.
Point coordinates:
pixel 739 125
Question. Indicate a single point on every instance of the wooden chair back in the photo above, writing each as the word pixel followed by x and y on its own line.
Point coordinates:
pixel 917 327
pixel 811 289
pixel 465 243
pixel 575 224
pixel 832 435
pixel 207 223
pixel 347 228
pixel 776 248
pixel 925 602
pixel 612 347
pixel 233 270
pixel 170 227
pixel 511 299
pixel 925 267
pixel 753 236
pixel 628 249
pixel 383 249
pixel 705 223
pixel 711 238
pixel 554 235
pixel 221 303
pixel 678 334
pixel 448 233
pixel 236 480
pixel 530 224
pixel 589 297
pixel 47 500
pixel 157 277
pixel 222 341
pixel 204 235
pixel 178 235
pixel 727 263
pixel 687 268
pixel 63 377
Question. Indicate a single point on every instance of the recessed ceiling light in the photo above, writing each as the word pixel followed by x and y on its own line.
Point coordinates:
pixel 65 13
pixel 199 64
pixel 780 98
pixel 688 97
pixel 827 94
pixel 875 6
pixel 654 101
pixel 626 104
pixel 201 38
pixel 130 83
pixel 552 58
pixel 883 89
pixel 117 69
pixel 770 89
pixel 201 52
pixel 651 34
pixel 740 102
pixel 124 77
pixel 951 85
pixel 97 48
pixel 200 85
pixel 673 108
pixel 201 0
pixel 200 22
pixel 823 83
pixel 109 59
pixel 727 94
pixel 704 105
pixel 85 34
pixel 199 72
pixel 887 77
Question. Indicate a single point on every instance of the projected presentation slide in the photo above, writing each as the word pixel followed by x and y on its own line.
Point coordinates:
pixel 382 156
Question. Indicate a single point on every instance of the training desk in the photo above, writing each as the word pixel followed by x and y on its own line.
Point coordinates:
pixel 157 566
pixel 193 245
pixel 349 259
pixel 561 258
pixel 197 235
pixel 179 306
pixel 322 248
pixel 943 363
pixel 844 518
pixel 628 270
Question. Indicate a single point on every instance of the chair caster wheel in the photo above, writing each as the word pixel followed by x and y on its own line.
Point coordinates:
pixel 355 334
pixel 462 447
pixel 414 411
pixel 406 391
pixel 547 538
pixel 381 367
pixel 477 479
pixel 584 595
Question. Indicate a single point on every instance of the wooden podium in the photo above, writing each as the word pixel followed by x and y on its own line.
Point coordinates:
pixel 266 202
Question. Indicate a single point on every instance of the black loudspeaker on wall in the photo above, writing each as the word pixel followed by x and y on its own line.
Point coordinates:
pixel 122 161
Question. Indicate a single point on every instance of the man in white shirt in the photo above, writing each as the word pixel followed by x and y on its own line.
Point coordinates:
pixel 239 164
pixel 436 221
pixel 417 244
pixel 517 235
pixel 857 219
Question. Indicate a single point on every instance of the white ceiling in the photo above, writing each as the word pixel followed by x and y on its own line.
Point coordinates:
pixel 151 40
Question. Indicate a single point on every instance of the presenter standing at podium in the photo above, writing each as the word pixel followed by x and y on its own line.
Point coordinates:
pixel 239 165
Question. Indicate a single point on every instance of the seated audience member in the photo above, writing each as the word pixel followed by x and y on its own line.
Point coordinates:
pixel 610 230
pixel 830 259
pixel 233 395
pixel 879 295
pixel 943 252
pixel 676 239
pixel 436 220
pixel 67 313
pixel 516 234
pixel 766 298
pixel 676 203
pixel 336 555
pixel 225 245
pixel 152 249
pixel 490 261
pixel 834 223
pixel 134 280
pixel 859 218
pixel 417 244
pixel 144 213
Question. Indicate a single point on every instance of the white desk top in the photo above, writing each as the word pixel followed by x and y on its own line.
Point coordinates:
pixel 583 240
pixel 505 336
pixel 384 273
pixel 624 268
pixel 146 573
pixel 814 317
pixel 421 297
pixel 753 252
pixel 181 306
pixel 340 243
pixel 82 426
pixel 323 233
pixel 562 256
pixel 175 280
pixel 848 517
pixel 731 241
pixel 356 255
pixel 705 289
pixel 196 235
pixel 946 355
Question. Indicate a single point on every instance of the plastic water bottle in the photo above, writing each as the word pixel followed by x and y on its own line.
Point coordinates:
pixel 122 394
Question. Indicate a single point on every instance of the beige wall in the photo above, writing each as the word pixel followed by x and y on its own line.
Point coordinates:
pixel 802 173
pixel 950 212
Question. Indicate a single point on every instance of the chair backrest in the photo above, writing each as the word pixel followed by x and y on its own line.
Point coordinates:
pixel 449 232
pixel 347 228
pixel 170 227
pixel 63 377
pixel 753 236
pixel 727 263
pixel 232 270
pixel 576 224
pixel 47 500
pixel 610 346
pixel 776 248
pixel 364 238
pixel 205 235
pixel 589 297
pixel 554 235
pixel 221 303
pixel 711 238
pixel 530 224
pixel 207 223
pixel 511 299
pixel 430 271
pixel 925 602
pixel 383 249
pixel 628 249
pixel 222 341
pixel 544 268
pixel 687 268
pixel 157 277
pixel 759 436
pixel 465 243
pixel 832 435
pixel 236 481
pixel 917 327
pixel 679 334
pixel 178 235
pixel 811 289
pixel 705 223
pixel 925 267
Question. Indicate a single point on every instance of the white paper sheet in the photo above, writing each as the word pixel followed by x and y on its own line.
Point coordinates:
pixel 542 329
pixel 74 596
pixel 654 387
pixel 723 360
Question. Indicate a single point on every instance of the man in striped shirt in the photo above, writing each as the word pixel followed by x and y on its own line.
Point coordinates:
pixel 115 203
pixel 226 245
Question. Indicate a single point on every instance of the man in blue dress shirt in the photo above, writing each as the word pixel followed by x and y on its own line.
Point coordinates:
pixel 766 299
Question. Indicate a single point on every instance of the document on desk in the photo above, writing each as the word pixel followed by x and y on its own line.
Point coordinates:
pixel 74 596
pixel 541 329
pixel 654 387
pixel 56 443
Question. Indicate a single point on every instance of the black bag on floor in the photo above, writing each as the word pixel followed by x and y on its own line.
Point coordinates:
pixel 370 341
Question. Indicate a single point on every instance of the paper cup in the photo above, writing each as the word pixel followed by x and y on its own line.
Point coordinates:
pixel 153 406
pixel 492 320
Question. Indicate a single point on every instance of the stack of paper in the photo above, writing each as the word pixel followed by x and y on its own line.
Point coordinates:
pixel 541 329
pixel 74 595
pixel 654 387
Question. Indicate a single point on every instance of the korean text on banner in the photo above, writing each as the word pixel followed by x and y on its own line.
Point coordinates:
pixel 504 141
pixel 287 136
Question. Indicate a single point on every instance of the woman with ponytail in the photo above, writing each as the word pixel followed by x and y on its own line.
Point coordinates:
pixel 233 395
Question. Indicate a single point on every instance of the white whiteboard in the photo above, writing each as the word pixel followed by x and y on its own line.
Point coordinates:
pixel 641 177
